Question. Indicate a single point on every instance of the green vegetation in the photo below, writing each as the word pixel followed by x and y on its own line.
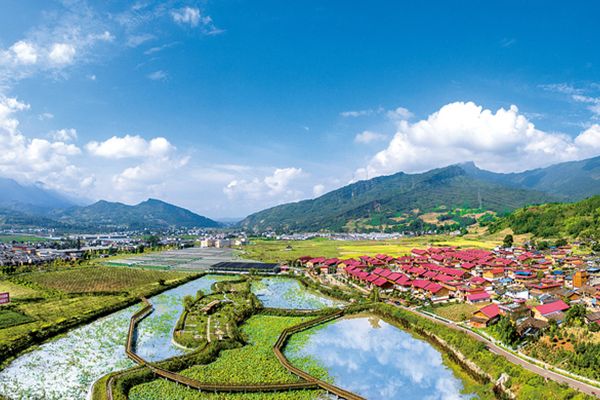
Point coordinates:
pixel 21 239
pixel 382 202
pixel 253 363
pixel 58 300
pixel 456 312
pixel 215 316
pixel 99 279
pixel 10 318
pixel 581 219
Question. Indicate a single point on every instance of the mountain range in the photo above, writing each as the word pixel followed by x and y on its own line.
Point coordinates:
pixel 395 201
pixel 36 206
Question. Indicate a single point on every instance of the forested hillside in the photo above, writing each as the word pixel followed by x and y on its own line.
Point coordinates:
pixel 581 219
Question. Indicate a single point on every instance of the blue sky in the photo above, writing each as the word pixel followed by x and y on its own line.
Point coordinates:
pixel 227 107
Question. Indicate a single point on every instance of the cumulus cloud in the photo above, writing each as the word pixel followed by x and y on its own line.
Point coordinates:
pixel 278 184
pixel 25 52
pixel 367 137
pixel 33 159
pixel 504 140
pixel 130 146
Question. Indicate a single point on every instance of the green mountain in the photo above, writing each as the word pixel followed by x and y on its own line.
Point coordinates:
pixel 394 200
pixel 581 219
pixel 569 181
pixel 150 214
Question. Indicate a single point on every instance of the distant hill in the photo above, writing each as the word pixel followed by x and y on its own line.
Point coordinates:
pixel 33 206
pixel 388 201
pixel 150 214
pixel 33 199
pixel 580 219
pixel 569 181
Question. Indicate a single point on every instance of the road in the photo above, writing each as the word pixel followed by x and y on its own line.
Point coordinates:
pixel 574 383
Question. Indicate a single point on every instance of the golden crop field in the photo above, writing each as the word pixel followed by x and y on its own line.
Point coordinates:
pixel 286 250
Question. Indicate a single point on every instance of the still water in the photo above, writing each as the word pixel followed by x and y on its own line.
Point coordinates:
pixel 66 368
pixel 376 360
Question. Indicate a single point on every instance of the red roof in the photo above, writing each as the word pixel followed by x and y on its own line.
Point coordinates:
pixel 551 308
pixel 380 282
pixel 478 296
pixel 433 287
pixel 491 311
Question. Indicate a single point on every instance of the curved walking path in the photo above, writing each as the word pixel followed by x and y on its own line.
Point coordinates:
pixel 546 373
pixel 309 382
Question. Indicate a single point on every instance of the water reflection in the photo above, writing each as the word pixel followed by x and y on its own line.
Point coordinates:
pixel 279 292
pixel 379 361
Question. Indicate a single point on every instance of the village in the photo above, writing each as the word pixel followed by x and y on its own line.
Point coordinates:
pixel 531 288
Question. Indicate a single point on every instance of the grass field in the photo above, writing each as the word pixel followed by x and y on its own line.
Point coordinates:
pixel 17 291
pixel 100 279
pixel 11 318
pixel 254 363
pixel 457 312
pixel 278 251
pixel 21 238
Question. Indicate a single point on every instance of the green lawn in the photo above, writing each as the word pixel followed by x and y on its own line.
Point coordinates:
pixel 11 318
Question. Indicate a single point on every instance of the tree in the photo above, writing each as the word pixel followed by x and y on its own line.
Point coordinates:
pixel 560 242
pixel 507 331
pixel 508 240
pixel 188 302
pixel 199 294
pixel 575 315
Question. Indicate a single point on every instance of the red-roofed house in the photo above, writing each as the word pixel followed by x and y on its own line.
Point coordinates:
pixel 545 312
pixel 485 316
pixel 478 297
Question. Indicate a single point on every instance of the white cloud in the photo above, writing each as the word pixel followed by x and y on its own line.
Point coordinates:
pixel 33 159
pixel 358 113
pixel 25 52
pixel 136 40
pixel 193 17
pixel 61 53
pixel 157 75
pixel 590 137
pixel 399 113
pixel 318 190
pixel 130 146
pixel 45 116
pixel 187 15
pixel 64 135
pixel 502 141
pixel 367 137
pixel 277 185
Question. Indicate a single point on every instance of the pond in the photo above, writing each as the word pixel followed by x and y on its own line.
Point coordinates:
pixel 280 292
pixel 66 368
pixel 376 360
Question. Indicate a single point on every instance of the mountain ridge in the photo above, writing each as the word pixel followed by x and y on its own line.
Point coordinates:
pixel 464 185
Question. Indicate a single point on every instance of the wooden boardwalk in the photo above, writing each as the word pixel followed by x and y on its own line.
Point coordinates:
pixel 309 382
